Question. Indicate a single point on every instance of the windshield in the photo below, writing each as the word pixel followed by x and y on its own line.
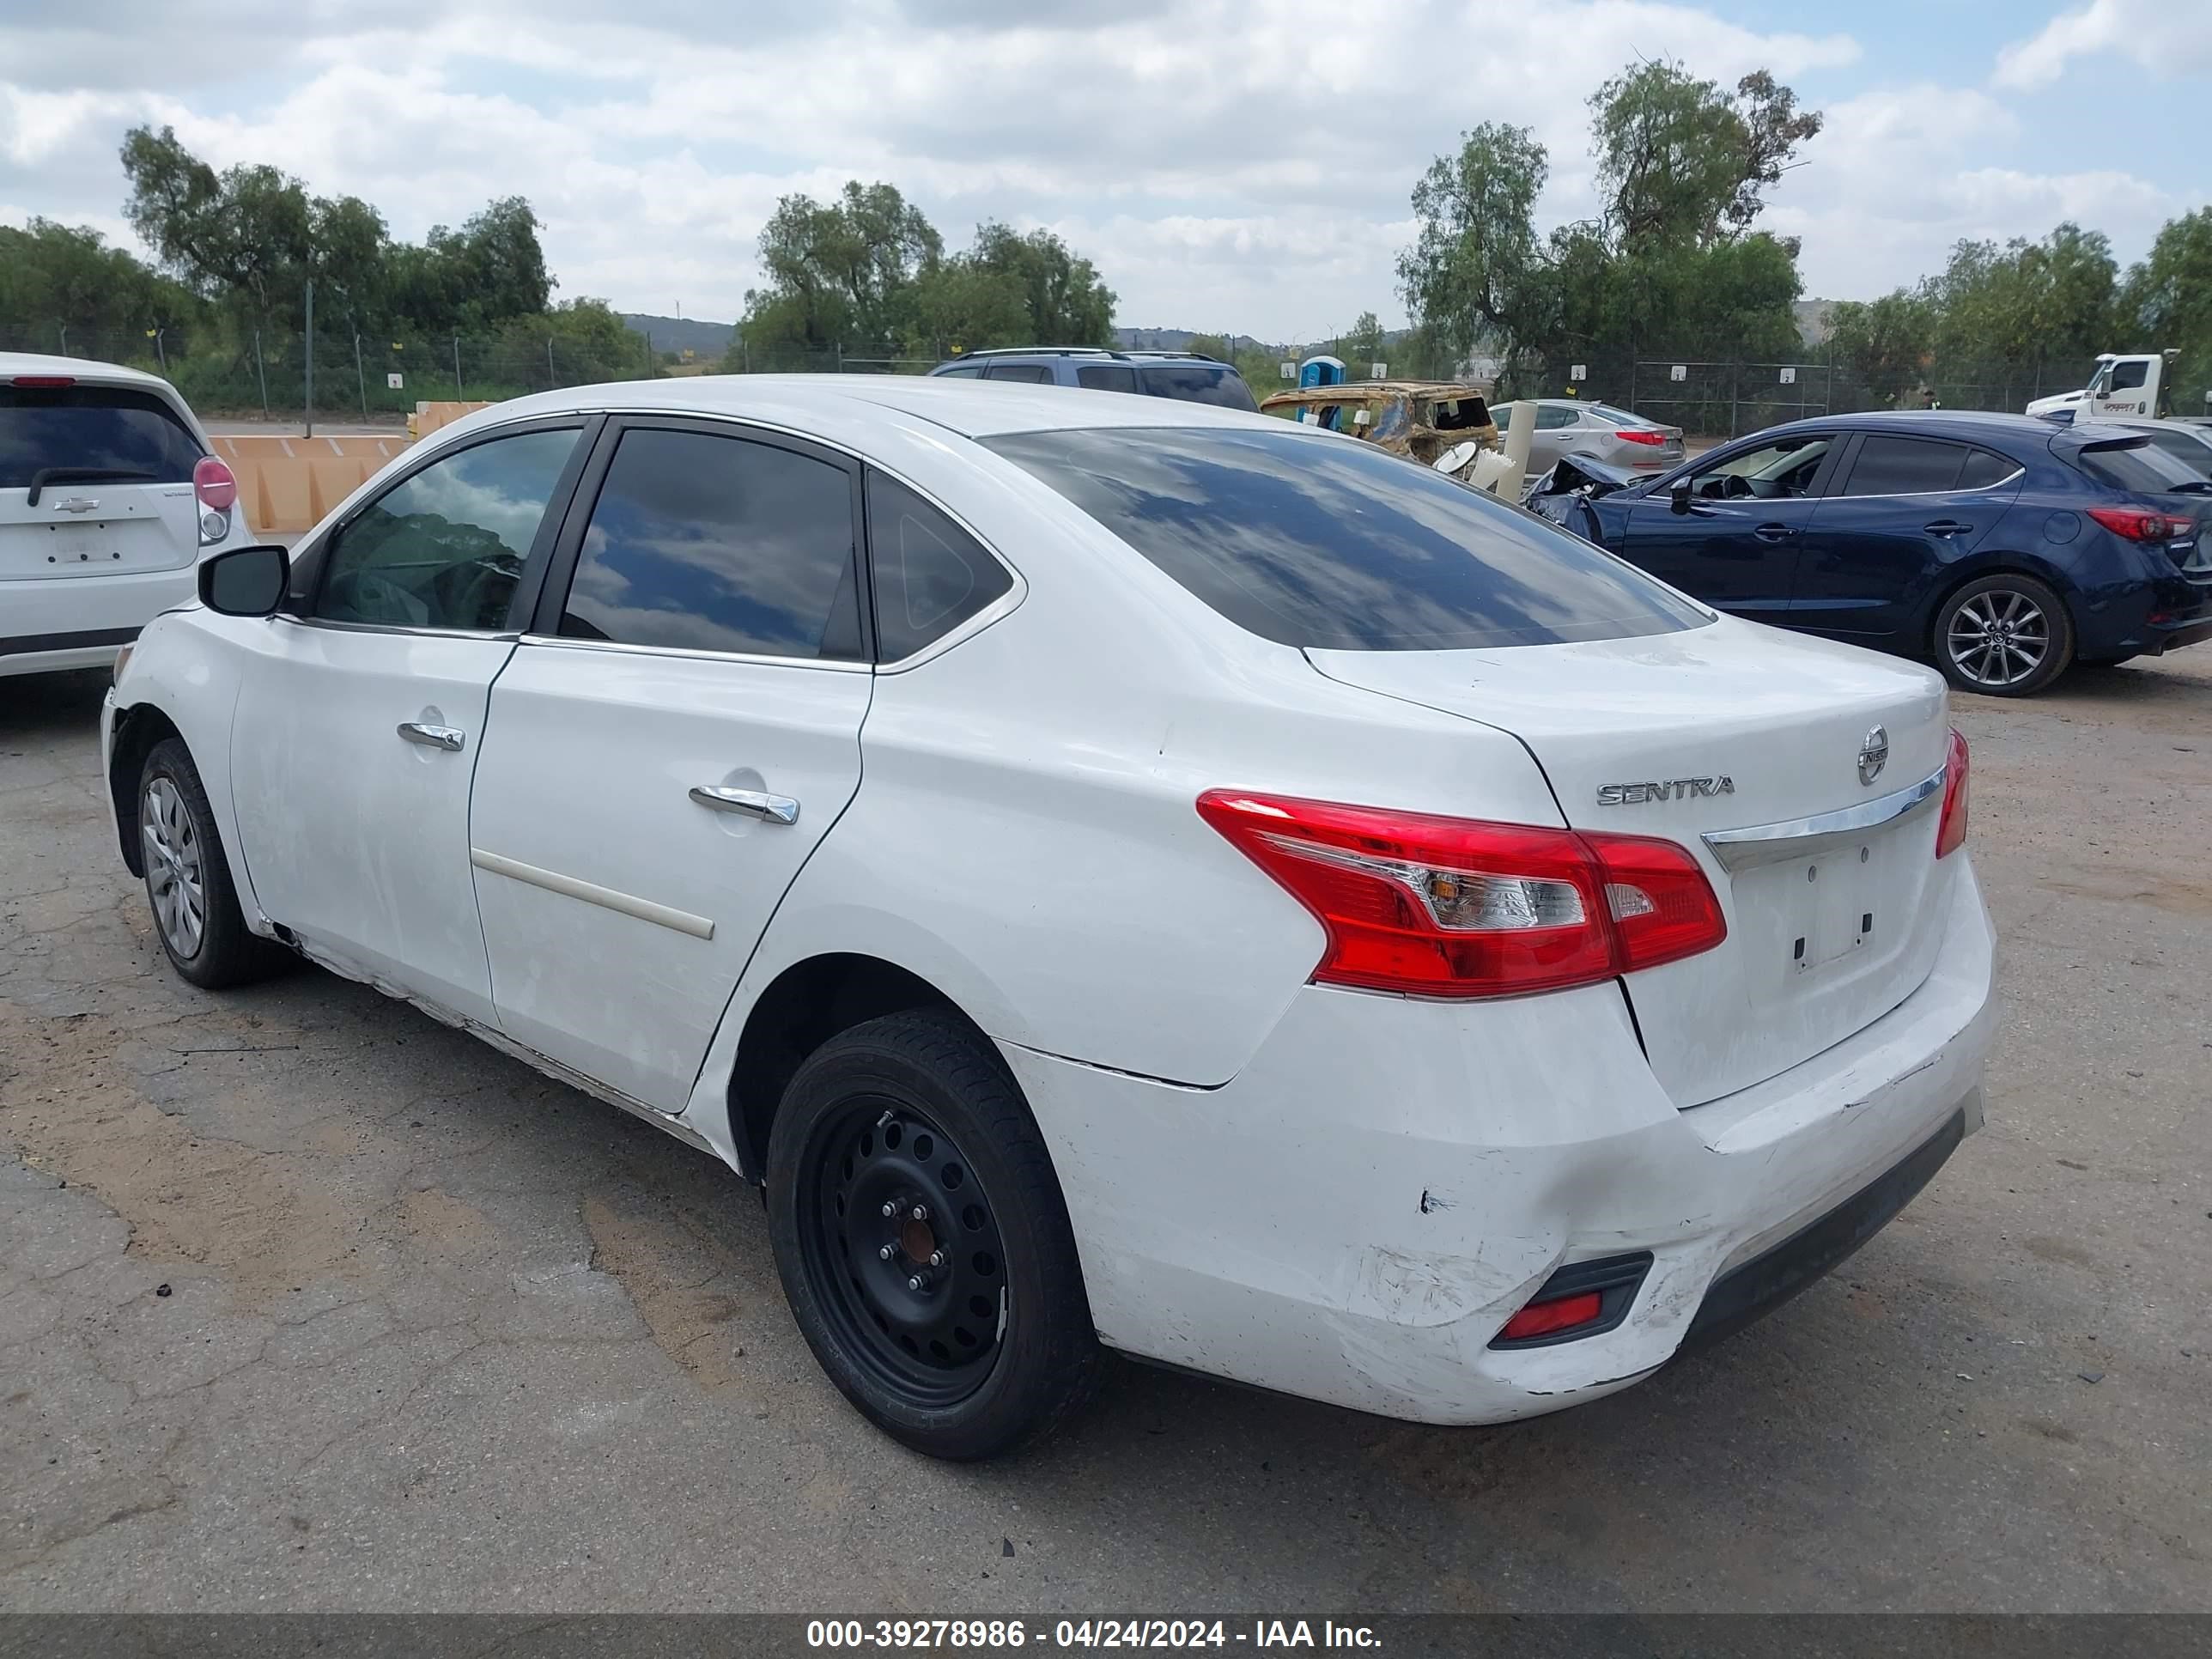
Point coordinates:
pixel 1342 547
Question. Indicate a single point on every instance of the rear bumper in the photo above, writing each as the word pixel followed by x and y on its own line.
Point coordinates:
pixel 2161 640
pixel 1355 1215
pixel 81 621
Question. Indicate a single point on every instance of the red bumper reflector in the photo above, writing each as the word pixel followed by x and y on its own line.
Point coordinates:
pixel 1542 1318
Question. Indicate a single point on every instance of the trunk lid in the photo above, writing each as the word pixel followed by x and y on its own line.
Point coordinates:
pixel 1709 733
pixel 110 464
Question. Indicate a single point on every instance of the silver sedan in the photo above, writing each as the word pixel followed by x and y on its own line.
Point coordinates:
pixel 1600 432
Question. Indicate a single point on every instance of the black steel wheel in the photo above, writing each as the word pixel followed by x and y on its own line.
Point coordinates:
pixel 922 1240
pixel 904 1250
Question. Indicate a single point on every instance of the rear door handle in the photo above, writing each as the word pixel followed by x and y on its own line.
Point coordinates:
pixel 769 809
pixel 1947 528
pixel 1774 532
pixel 432 737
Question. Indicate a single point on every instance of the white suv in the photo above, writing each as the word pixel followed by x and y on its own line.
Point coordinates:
pixel 1115 872
pixel 108 497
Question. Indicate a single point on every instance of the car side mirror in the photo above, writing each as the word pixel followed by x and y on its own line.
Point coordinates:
pixel 1679 496
pixel 246 581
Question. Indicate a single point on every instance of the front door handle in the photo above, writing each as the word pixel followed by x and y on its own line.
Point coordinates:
pixel 432 737
pixel 769 809
pixel 1947 528
pixel 1774 532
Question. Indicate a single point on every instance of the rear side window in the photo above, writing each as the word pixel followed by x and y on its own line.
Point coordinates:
pixel 1550 417
pixel 1107 377
pixel 1905 466
pixel 2138 466
pixel 1036 373
pixel 1199 383
pixel 930 575
pixel 134 436
pixel 1312 543
pixel 706 542
pixel 1985 467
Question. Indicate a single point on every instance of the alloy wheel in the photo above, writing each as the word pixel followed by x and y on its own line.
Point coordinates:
pixel 1998 638
pixel 903 1250
pixel 173 874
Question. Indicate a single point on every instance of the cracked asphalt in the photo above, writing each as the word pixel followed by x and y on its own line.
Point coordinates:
pixel 307 1303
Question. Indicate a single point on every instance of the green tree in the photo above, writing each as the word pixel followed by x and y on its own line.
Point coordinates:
pixel 841 271
pixel 1672 262
pixel 1067 304
pixel 2166 303
pixel 66 277
pixel 1477 266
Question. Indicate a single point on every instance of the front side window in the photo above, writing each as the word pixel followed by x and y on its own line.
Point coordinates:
pixel 446 547
pixel 970 372
pixel 701 541
pixel 2127 377
pixel 930 575
pixel 133 436
pixel 1199 383
pixel 1775 472
pixel 1337 546
pixel 1035 373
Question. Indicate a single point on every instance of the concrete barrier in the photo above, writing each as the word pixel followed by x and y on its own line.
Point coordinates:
pixel 429 417
pixel 287 484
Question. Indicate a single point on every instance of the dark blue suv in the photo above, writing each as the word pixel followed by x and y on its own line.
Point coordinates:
pixel 2002 548
pixel 1189 375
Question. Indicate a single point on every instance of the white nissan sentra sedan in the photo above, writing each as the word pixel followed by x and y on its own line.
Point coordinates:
pixel 1118 874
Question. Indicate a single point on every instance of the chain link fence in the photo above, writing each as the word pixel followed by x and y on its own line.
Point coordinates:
pixel 358 376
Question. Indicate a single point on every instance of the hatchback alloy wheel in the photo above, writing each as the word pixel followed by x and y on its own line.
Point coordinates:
pixel 174 870
pixel 1999 638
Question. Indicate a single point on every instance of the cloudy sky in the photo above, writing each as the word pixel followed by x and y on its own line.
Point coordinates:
pixel 1229 164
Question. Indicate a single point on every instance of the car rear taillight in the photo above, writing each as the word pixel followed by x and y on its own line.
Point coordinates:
pixel 1951 829
pixel 47 380
pixel 216 491
pixel 1446 907
pixel 1638 435
pixel 1548 1318
pixel 2138 526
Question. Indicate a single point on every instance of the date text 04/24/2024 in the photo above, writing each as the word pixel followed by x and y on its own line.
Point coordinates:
pixel 995 1633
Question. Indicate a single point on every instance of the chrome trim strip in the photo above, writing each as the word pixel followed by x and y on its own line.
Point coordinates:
pixel 329 625
pixel 552 881
pixel 1794 838
pixel 839 665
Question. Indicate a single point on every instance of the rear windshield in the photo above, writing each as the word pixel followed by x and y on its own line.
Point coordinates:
pixel 2140 467
pixel 1199 383
pixel 107 429
pixel 1311 542
pixel 1613 417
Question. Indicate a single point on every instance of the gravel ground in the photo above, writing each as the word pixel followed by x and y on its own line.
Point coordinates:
pixel 308 1303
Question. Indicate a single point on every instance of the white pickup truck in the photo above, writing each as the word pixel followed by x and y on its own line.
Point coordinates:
pixel 2126 384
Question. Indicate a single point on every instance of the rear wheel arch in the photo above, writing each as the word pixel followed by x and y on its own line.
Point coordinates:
pixel 804 1006
pixel 1973 569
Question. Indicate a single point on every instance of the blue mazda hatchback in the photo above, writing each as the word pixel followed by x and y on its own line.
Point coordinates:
pixel 2002 549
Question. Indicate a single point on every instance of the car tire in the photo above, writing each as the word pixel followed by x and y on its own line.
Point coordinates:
pixel 188 885
pixel 923 1241
pixel 2005 635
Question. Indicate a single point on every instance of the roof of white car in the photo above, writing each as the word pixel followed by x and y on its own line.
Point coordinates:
pixel 974 408
pixel 14 363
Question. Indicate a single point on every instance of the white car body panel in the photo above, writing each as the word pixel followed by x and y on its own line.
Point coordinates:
pixel 94 560
pixel 323 782
pixel 618 814
pixel 1336 1193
